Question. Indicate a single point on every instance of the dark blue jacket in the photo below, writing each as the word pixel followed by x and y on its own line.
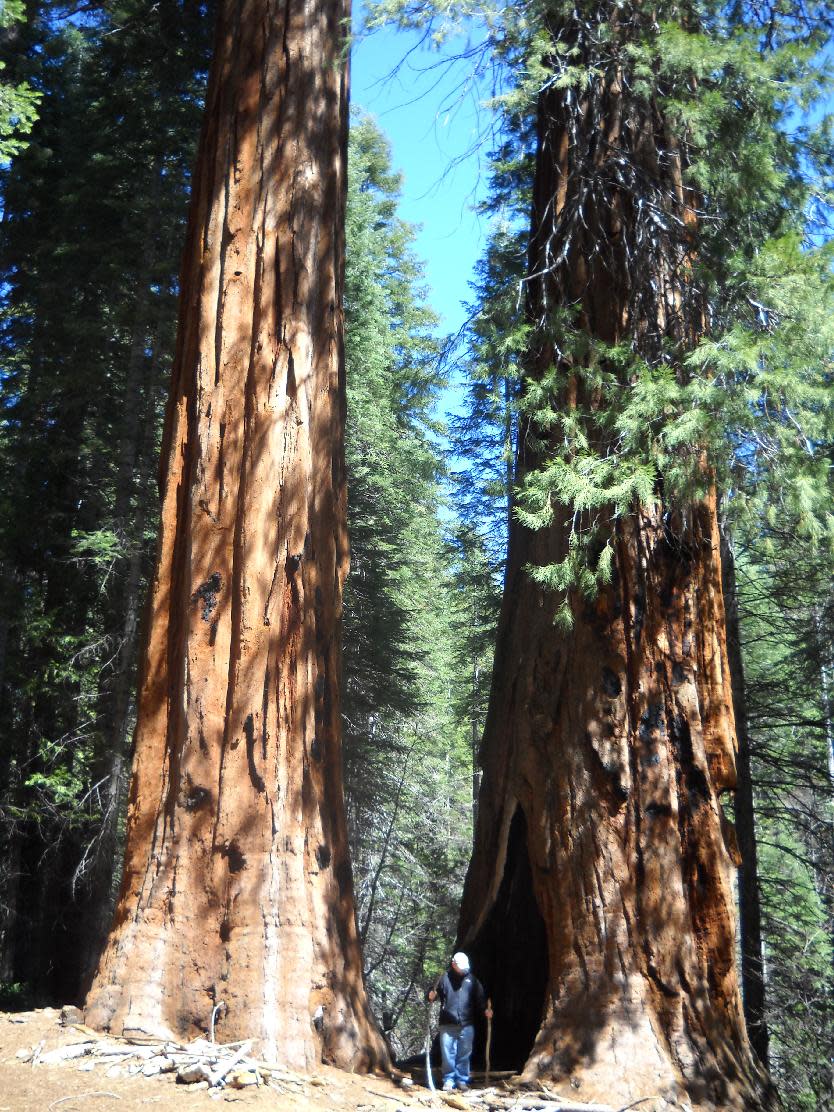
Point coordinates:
pixel 462 999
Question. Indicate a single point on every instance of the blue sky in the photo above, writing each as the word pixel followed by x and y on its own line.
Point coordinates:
pixel 433 120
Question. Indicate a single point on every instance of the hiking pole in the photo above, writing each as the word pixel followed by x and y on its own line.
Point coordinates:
pixel 429 1077
pixel 489 1040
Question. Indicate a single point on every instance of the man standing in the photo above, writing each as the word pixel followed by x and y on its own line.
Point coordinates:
pixel 461 1000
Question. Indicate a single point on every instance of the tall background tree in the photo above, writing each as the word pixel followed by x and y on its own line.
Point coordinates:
pixel 237 884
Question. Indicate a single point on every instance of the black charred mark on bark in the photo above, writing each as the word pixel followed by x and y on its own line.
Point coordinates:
pixel 323 856
pixel 234 856
pixel 681 739
pixel 196 797
pixel 697 786
pixel 213 633
pixel 225 929
pixel 254 775
pixel 324 701
pixel 657 810
pixel 678 674
pixel 611 684
pixel 207 594
pixel 693 778
pixel 292 387
pixel 651 721
pixel 264 714
pixel 639 615
pixel 316 749
pixel 344 878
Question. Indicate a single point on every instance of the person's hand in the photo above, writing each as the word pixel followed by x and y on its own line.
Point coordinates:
pixel 488 1013
pixel 432 996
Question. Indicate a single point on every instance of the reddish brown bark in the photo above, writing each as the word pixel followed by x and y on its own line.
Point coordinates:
pixel 237 884
pixel 599 903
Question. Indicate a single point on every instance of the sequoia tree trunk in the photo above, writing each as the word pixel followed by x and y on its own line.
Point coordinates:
pixel 599 902
pixel 237 884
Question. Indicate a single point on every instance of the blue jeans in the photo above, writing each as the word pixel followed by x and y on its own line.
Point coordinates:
pixel 456 1041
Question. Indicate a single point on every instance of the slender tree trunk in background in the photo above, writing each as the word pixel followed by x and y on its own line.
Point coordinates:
pixel 824 650
pixel 9 887
pixel 599 903
pixel 237 883
pixel 749 900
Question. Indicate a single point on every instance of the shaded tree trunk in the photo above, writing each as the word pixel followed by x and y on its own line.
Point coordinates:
pixel 237 883
pixel 599 903
pixel 749 899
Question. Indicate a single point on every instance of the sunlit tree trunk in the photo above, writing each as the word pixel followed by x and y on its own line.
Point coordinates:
pixel 599 903
pixel 237 883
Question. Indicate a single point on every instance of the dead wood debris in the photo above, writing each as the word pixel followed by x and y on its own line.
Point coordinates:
pixel 200 1064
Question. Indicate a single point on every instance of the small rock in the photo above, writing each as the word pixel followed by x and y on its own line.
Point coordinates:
pixel 24 1054
pixel 193 1073
pixel 86 1067
pixel 195 1086
pixel 115 1071
pixel 70 1014
pixel 406 1083
pixel 242 1079
pixel 158 1064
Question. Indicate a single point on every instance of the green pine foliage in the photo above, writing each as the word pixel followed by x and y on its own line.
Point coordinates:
pixel 18 99
pixel 786 604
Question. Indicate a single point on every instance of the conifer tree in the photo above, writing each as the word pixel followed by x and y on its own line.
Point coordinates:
pixel 237 884
pixel 602 851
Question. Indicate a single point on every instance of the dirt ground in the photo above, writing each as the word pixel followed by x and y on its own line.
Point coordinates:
pixel 75 1087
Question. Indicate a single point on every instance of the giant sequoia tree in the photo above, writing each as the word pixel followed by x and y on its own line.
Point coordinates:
pixel 237 884
pixel 603 862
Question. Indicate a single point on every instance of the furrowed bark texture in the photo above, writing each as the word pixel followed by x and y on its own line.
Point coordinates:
pixel 237 883
pixel 599 903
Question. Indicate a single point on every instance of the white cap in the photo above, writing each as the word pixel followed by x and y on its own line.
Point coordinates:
pixel 461 961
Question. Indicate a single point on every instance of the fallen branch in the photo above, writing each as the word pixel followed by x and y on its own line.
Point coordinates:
pixel 84 1096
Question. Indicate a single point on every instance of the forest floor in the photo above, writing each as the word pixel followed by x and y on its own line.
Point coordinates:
pixel 81 1086
pixel 47 1065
